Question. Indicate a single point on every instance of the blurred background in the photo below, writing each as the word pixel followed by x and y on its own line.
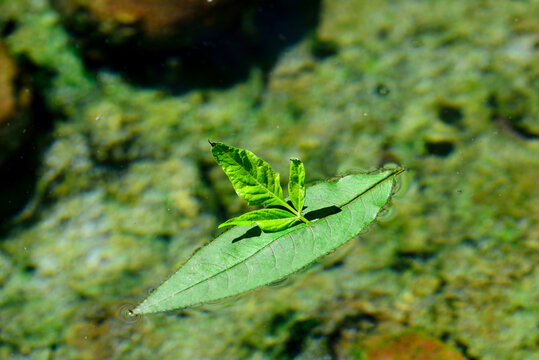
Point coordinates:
pixel 107 183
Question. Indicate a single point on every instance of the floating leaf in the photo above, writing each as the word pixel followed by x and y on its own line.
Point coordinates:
pixel 253 179
pixel 296 185
pixel 243 258
pixel 266 219
pixel 256 182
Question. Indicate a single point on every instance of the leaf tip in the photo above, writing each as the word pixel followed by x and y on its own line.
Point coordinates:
pixel 143 308
pixel 398 171
pixel 132 312
pixel 135 312
pixel 212 143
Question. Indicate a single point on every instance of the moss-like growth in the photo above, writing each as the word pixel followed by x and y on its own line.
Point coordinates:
pixel 381 82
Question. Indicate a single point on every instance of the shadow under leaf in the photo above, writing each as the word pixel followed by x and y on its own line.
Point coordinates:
pixel 323 212
pixel 251 233
pixel 313 215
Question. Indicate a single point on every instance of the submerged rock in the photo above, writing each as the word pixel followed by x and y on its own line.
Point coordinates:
pixel 412 346
pixel 14 104
pixel 7 100
pixel 147 21
pixel 182 44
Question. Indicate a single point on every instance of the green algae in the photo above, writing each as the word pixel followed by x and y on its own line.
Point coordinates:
pixel 124 195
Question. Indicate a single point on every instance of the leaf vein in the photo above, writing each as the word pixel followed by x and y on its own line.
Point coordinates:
pixel 314 237
pixel 294 246
pixel 330 228
pixel 274 256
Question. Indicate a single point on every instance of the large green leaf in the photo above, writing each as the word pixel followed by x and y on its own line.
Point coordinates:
pixel 244 258
pixel 253 179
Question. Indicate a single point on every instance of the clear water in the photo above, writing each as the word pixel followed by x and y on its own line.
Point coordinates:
pixel 108 184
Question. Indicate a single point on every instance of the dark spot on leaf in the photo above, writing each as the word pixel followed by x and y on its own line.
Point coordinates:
pixel 451 115
pixel 439 148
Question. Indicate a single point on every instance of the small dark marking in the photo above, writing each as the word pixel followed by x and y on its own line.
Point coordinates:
pixel 451 115
pixel 382 90
pixel 440 148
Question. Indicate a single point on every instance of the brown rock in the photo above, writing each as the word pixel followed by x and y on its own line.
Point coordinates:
pixel 151 19
pixel 180 44
pixel 408 346
pixel 14 104
pixel 7 76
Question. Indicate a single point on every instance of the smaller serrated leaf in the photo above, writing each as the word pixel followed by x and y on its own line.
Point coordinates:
pixel 296 185
pixel 267 219
pixel 253 179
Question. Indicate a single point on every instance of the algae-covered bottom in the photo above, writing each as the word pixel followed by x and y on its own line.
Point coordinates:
pixel 126 190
